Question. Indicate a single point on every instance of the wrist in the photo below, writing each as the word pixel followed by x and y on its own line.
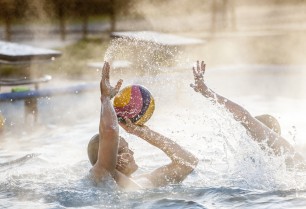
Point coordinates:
pixel 104 98
pixel 205 91
pixel 141 131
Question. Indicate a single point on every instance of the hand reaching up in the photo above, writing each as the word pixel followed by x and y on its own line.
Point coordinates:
pixel 106 89
pixel 198 73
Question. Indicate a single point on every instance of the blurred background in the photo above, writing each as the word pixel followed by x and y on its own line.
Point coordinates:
pixel 236 31
pixel 255 55
pixel 239 35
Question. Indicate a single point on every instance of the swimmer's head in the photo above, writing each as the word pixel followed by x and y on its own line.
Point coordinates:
pixel 125 159
pixel 271 122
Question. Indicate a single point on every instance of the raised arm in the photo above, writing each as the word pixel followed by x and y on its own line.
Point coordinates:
pixel 109 136
pixel 182 161
pixel 257 130
pixel 108 129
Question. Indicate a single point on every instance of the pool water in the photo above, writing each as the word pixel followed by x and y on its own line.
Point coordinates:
pixel 233 172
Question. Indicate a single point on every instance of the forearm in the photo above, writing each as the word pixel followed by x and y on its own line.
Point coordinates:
pixel 257 130
pixel 240 114
pixel 109 136
pixel 174 151
pixel 108 118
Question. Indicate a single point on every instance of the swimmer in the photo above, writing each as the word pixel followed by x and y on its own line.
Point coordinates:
pixel 263 129
pixel 114 158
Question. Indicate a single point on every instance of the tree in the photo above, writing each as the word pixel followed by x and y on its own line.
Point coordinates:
pixel 6 11
pixel 62 9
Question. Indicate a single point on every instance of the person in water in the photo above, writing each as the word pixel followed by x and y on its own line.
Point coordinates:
pixel 110 155
pixel 264 129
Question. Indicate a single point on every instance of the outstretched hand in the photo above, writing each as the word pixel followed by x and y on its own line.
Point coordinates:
pixel 106 89
pixel 198 74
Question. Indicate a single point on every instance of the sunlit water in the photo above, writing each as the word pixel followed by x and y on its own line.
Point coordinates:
pixel 233 171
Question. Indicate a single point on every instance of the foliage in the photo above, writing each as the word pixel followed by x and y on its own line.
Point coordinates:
pixel 48 11
pixel 75 58
pixel 73 8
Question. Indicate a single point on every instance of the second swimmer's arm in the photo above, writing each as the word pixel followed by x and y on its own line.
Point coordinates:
pixel 257 130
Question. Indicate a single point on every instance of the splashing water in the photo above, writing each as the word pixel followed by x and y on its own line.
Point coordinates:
pixel 233 171
pixel 146 57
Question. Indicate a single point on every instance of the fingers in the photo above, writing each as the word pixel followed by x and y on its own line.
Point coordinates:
pixel 116 89
pixel 198 73
pixel 203 65
pixel 125 123
pixel 118 85
pixel 106 65
pixel 194 73
pixel 105 70
pixel 198 67
pixel 128 122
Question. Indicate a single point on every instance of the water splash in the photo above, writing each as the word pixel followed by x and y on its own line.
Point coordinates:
pixel 146 57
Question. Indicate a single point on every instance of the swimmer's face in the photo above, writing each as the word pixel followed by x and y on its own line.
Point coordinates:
pixel 125 159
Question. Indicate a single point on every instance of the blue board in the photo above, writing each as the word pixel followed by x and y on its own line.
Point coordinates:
pixel 48 92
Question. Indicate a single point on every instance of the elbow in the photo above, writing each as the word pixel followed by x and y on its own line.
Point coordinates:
pixel 190 166
pixel 191 163
pixel 194 162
